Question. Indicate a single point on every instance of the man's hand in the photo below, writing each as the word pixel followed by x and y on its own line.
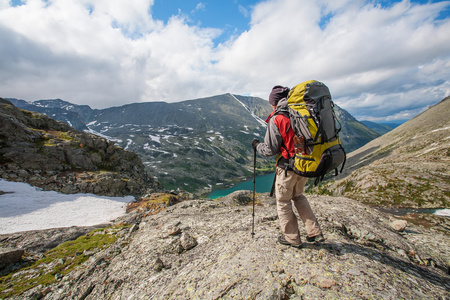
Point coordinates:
pixel 255 143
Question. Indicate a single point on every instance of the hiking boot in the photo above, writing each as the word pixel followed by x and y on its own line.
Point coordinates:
pixel 315 239
pixel 283 241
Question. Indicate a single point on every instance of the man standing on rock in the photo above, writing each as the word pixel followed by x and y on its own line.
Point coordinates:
pixel 279 140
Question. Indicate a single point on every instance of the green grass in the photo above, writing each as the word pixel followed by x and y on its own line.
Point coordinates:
pixel 60 260
pixel 322 190
pixel 421 192
pixel 30 114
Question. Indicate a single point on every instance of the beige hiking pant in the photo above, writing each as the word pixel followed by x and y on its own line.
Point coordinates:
pixel 289 190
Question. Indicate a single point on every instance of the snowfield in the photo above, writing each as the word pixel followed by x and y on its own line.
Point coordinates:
pixel 24 207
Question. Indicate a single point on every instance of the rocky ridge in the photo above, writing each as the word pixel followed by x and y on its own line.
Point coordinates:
pixel 50 154
pixel 203 249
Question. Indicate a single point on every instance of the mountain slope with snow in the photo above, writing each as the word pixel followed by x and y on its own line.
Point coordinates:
pixel 193 144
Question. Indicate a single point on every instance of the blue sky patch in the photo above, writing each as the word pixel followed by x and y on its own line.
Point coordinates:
pixel 232 17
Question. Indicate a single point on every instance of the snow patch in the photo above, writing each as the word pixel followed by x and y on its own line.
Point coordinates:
pixel 129 142
pixel 443 212
pixel 99 134
pixel 24 207
pixel 258 119
pixel 155 138
pixel 443 128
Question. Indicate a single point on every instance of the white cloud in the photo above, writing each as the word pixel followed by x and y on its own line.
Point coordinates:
pixel 180 64
pixel 110 52
pixel 4 4
pixel 199 7
pixel 363 50
pixel 243 11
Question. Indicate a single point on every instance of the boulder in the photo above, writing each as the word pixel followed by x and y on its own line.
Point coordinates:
pixel 10 256
pixel 187 241
pixel 399 225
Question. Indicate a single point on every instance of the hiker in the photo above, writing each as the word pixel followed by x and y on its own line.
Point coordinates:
pixel 289 186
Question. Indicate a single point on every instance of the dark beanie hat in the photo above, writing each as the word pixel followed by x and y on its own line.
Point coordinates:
pixel 278 92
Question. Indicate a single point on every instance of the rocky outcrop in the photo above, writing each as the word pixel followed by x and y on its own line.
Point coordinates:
pixel 37 242
pixel 10 256
pixel 50 154
pixel 204 249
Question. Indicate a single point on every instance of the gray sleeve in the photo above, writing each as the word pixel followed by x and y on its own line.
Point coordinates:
pixel 272 141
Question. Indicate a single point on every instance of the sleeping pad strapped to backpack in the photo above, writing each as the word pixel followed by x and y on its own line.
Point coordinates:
pixel 318 149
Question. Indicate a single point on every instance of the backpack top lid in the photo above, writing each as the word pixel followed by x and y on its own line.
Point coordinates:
pixel 308 92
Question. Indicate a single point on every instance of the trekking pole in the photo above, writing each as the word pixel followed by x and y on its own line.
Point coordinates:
pixel 254 188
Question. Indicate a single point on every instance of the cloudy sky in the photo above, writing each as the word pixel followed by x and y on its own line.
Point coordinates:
pixel 383 60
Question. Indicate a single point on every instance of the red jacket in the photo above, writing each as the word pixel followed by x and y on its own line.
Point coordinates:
pixel 279 136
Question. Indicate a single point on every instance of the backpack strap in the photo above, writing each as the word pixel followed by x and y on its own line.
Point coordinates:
pixel 319 129
pixel 281 161
pixel 284 163
pixel 318 179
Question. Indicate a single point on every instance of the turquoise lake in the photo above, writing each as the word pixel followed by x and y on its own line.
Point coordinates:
pixel 263 185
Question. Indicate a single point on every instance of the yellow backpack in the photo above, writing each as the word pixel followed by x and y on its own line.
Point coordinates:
pixel 318 149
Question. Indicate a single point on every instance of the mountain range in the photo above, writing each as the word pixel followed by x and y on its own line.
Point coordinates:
pixel 195 144
pixel 379 128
